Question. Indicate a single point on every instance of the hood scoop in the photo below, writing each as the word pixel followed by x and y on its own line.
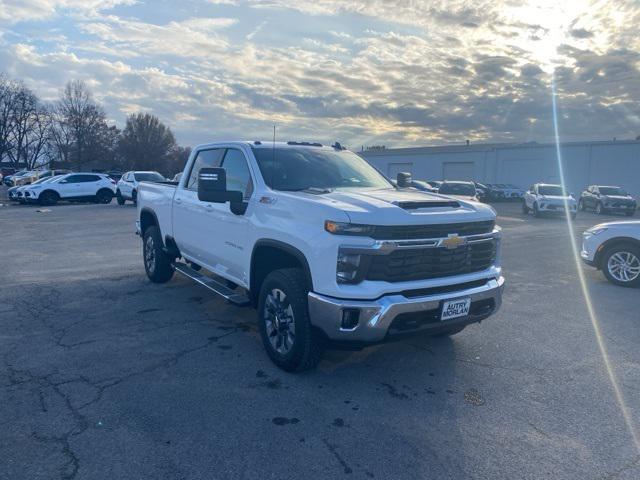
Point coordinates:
pixel 416 205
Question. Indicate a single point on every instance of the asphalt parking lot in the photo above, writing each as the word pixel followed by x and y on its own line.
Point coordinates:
pixel 105 375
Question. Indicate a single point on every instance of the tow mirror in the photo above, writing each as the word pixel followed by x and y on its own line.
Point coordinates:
pixel 403 179
pixel 212 187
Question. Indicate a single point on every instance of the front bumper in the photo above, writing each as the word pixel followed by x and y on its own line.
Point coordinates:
pixel 397 314
pixel 548 207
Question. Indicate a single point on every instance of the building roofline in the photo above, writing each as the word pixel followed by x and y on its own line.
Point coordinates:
pixel 486 147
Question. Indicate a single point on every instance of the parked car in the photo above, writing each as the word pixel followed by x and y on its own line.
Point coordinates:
pixel 543 198
pixel 602 199
pixel 459 190
pixel 495 193
pixel 127 187
pixel 6 171
pixel 483 192
pixel 614 248
pixel 302 232
pixel 12 194
pixel 36 175
pixel 10 180
pixel 97 187
pixel 423 186
pixel 17 194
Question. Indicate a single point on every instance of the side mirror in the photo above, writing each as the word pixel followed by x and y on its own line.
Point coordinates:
pixel 403 179
pixel 212 187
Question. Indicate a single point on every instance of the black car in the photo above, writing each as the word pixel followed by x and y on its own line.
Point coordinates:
pixel 601 199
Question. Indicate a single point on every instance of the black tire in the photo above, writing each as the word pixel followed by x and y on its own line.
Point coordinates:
pixel 525 209
pixel 157 263
pixel 120 198
pixel 621 249
pixel 599 209
pixel 134 197
pixel 48 198
pixel 449 332
pixel 536 212
pixel 305 345
pixel 104 196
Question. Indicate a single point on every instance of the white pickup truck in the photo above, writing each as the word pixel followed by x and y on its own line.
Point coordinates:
pixel 324 246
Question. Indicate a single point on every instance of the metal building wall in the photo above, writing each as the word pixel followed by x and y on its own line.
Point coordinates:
pixel 588 163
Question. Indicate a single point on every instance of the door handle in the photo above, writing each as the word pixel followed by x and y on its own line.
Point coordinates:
pixel 208 206
pixel 178 200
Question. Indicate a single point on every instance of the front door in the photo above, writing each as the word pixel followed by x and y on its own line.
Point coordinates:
pixel 231 253
pixel 209 233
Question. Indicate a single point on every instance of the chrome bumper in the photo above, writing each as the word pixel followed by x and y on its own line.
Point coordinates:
pixel 376 316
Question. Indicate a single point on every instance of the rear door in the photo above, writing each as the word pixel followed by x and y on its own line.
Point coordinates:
pixel 190 218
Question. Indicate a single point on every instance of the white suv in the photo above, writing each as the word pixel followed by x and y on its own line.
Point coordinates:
pixel 127 186
pixel 614 248
pixel 95 187
pixel 545 198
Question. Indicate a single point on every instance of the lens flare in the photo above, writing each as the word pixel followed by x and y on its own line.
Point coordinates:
pixel 583 283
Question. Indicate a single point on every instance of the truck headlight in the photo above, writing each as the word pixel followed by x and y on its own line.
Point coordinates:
pixel 342 228
pixel 347 268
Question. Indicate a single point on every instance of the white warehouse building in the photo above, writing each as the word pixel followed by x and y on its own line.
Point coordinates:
pixel 585 163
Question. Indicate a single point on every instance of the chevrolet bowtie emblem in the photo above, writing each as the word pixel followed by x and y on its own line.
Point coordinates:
pixel 453 241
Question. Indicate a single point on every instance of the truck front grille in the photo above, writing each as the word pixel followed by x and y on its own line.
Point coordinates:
pixel 424 263
pixel 412 232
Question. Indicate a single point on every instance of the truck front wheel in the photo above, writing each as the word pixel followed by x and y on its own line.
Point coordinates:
pixel 157 263
pixel 284 323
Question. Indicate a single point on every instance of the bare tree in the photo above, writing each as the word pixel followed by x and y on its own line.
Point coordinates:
pixel 82 121
pixel 38 138
pixel 24 113
pixel 7 95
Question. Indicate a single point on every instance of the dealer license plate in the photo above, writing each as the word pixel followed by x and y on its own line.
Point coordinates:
pixel 455 308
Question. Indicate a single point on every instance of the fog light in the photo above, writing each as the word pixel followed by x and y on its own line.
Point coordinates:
pixel 350 318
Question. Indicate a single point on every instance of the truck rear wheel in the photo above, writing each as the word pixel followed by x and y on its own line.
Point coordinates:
pixel 157 263
pixel 284 323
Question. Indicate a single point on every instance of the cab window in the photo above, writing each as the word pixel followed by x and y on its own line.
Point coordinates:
pixel 238 176
pixel 204 159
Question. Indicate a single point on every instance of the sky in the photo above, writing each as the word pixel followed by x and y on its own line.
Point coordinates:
pixel 362 72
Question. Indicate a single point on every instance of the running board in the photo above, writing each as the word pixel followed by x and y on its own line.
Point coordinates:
pixel 239 299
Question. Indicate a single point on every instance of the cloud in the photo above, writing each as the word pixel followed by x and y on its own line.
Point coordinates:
pixel 14 11
pixel 394 71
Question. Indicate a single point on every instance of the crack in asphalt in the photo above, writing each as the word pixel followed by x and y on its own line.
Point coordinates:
pixel 40 312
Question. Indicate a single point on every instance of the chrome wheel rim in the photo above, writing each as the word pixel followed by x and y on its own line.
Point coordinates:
pixel 624 266
pixel 149 254
pixel 279 321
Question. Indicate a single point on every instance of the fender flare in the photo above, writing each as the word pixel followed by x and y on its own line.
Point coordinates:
pixel 287 248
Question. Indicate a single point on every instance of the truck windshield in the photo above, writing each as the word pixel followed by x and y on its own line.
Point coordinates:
pixel 550 190
pixel 294 169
